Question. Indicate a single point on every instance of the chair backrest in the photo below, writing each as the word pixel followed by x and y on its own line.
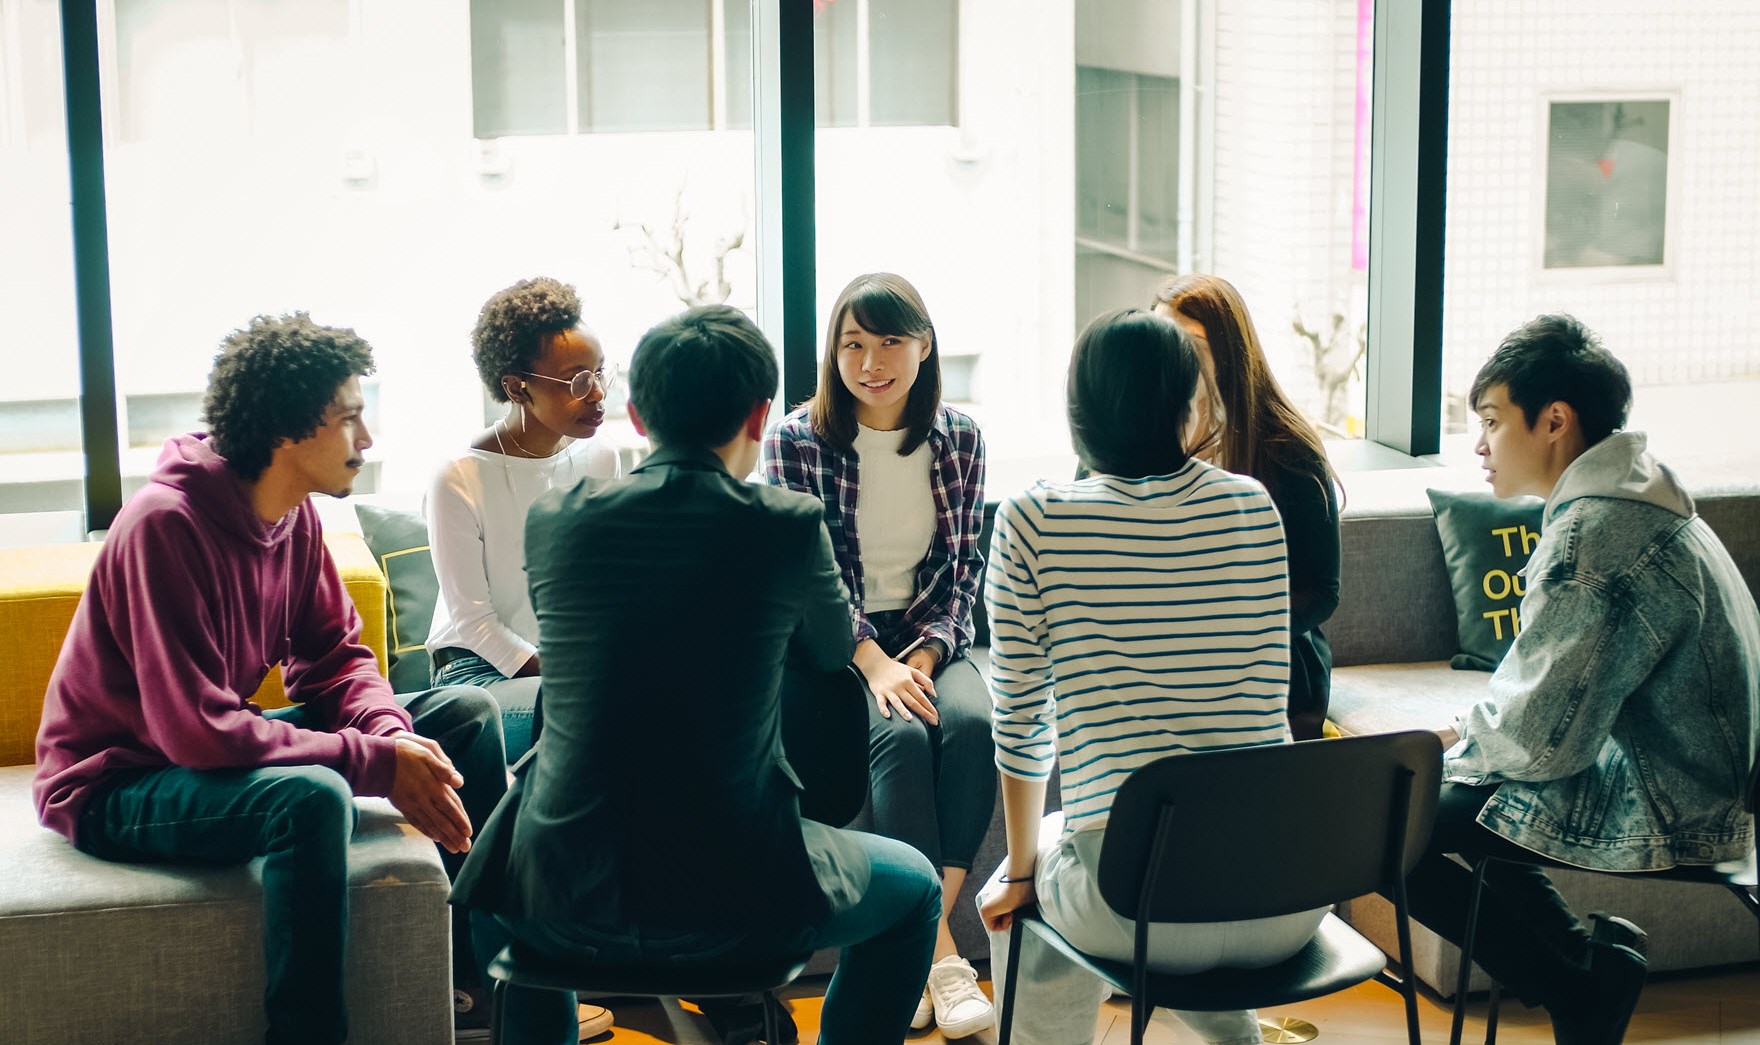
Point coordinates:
pixel 825 735
pixel 1271 830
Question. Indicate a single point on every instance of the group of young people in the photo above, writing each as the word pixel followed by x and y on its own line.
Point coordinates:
pixel 1168 599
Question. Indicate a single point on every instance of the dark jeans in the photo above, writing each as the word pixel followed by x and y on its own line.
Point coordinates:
pixel 1528 938
pixel 935 786
pixel 518 698
pixel 300 820
pixel 887 939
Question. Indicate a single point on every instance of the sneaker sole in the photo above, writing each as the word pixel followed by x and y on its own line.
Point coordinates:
pixel 594 1026
pixel 969 1026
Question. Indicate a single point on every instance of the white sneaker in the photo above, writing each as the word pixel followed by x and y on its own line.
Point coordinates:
pixel 961 1008
pixel 595 1020
pixel 925 1013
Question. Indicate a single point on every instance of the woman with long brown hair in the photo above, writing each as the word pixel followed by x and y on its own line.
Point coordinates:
pixel 1248 426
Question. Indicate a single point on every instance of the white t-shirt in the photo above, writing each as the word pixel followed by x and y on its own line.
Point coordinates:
pixel 476 512
pixel 895 517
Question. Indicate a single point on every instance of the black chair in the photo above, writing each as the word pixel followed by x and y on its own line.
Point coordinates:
pixel 825 733
pixel 1309 824
pixel 1739 877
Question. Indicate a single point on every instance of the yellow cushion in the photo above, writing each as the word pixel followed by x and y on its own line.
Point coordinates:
pixel 40 588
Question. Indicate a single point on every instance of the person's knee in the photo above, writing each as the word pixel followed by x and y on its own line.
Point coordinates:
pixel 316 802
pixel 468 706
pixel 914 877
pixel 900 742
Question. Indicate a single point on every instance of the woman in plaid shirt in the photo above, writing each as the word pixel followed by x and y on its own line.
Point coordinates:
pixel 895 465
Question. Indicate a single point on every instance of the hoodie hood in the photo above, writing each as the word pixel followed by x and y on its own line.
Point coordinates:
pixel 1619 467
pixel 189 464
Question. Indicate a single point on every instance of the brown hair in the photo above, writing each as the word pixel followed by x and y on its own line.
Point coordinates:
pixel 1261 428
pixel 888 305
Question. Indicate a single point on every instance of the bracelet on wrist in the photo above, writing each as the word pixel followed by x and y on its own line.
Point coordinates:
pixel 1014 880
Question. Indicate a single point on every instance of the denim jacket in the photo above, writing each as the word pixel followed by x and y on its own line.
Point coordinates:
pixel 1621 724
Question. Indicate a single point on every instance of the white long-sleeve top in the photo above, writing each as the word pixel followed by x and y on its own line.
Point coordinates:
pixel 476 512
pixel 1132 619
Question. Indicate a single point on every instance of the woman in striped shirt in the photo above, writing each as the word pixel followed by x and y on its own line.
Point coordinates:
pixel 1137 613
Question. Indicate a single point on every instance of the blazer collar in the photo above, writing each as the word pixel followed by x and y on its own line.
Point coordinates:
pixel 681 457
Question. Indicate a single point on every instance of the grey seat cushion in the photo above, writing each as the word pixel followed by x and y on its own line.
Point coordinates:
pixel 97 951
pixel 1386 698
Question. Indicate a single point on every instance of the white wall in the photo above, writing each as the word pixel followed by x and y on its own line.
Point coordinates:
pixel 1694 321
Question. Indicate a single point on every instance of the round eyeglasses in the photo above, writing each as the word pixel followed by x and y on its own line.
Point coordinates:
pixel 581 385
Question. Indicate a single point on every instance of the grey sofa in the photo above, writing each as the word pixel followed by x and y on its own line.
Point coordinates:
pixel 1391 639
pixel 100 952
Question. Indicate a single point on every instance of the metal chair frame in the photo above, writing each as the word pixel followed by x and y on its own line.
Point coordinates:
pixel 1143 876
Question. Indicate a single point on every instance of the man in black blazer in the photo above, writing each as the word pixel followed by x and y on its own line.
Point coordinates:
pixel 658 815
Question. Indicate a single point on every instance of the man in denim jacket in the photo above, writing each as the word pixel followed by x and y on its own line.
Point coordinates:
pixel 1618 732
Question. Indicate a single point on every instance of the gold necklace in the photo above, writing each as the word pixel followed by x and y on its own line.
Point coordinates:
pixel 501 426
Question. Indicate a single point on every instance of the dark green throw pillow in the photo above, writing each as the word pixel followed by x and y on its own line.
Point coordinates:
pixel 399 540
pixel 1485 543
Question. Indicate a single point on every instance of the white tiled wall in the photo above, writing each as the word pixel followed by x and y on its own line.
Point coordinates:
pixel 1693 320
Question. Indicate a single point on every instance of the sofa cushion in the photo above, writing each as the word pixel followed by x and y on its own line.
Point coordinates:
pixel 1486 540
pixel 1387 698
pixel 40 587
pixel 399 540
pixel 176 950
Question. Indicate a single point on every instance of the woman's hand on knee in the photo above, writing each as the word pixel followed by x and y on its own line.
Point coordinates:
pixel 902 688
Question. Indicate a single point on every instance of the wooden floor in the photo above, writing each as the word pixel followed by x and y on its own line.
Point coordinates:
pixel 1720 1007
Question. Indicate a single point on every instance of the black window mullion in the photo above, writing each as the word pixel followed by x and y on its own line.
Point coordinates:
pixel 91 263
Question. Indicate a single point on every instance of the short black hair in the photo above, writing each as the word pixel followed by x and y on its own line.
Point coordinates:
pixel 1131 379
pixel 1556 359
pixel 272 381
pixel 695 377
pixel 511 328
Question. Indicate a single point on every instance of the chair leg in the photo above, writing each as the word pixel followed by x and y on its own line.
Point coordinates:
pixel 769 1002
pixel 1491 1017
pixel 1466 972
pixel 1015 933
pixel 497 1012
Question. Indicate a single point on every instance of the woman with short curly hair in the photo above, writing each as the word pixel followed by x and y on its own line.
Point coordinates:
pixel 534 354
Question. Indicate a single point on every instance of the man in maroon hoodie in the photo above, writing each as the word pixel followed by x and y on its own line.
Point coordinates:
pixel 150 749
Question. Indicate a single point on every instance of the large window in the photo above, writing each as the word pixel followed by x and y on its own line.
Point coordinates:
pixel 566 66
pixel 559 66
pixel 40 460
pixel 397 219
pixel 1094 157
pixel 1621 191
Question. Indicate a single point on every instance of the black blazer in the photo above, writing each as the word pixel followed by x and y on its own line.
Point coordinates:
pixel 658 793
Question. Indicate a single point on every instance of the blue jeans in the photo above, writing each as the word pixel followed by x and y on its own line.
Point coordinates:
pixel 518 698
pixel 887 940
pixel 300 819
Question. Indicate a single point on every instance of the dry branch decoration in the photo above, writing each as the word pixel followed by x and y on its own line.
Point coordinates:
pixel 663 253
pixel 1335 355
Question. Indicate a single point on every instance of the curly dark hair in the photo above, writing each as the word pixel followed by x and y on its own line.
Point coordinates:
pixel 510 330
pixel 272 381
